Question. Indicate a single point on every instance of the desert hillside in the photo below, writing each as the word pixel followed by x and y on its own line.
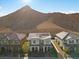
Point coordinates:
pixel 23 19
pixel 67 21
pixel 28 20
pixel 49 26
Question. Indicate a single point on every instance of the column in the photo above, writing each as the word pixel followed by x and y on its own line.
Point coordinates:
pixel 47 48
pixel 30 48
pixel 43 49
pixel 38 48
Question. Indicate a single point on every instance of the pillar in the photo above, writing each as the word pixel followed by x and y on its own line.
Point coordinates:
pixel 48 48
pixel 43 49
pixel 38 48
pixel 31 49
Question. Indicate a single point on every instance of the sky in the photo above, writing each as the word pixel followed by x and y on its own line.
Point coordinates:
pixel 45 6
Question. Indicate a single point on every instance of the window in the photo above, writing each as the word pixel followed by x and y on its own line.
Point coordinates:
pixel 42 41
pixel 65 41
pixel 34 41
pixel 17 42
pixel 13 42
pixel 5 42
pixel 48 42
pixel 32 48
pixel 71 41
pixel 1 41
pixel 77 40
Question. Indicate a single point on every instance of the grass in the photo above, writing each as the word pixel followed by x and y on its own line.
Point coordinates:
pixel 53 52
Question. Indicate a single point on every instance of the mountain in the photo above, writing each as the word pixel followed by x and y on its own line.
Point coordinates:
pixel 49 26
pixel 23 19
pixel 67 21
pixel 28 20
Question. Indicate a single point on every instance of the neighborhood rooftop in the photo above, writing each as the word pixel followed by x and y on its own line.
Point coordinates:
pixel 12 36
pixel 39 35
pixel 61 35
pixel 67 35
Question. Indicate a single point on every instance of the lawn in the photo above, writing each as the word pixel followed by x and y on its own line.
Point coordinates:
pixel 53 52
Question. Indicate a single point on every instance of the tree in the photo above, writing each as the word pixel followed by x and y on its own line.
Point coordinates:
pixel 25 47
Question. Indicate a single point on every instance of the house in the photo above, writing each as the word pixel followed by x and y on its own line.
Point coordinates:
pixel 39 41
pixel 10 43
pixel 68 40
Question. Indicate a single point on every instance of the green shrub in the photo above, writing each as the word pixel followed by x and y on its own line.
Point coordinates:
pixel 66 50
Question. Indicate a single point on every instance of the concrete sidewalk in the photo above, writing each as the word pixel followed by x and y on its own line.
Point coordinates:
pixel 25 57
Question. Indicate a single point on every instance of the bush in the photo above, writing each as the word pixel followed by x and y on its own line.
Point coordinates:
pixel 66 50
pixel 58 42
pixel 61 48
pixel 53 52
pixel 78 50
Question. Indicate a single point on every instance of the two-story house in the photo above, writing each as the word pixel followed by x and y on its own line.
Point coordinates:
pixel 39 41
pixel 68 40
pixel 10 43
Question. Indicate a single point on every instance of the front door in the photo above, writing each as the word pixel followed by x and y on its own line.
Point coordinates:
pixel 41 45
pixel 41 49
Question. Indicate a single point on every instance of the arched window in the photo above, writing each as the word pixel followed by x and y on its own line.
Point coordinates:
pixel 36 48
pixel 45 49
pixel 32 48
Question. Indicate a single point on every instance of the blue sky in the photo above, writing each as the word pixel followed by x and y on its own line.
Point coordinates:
pixel 67 6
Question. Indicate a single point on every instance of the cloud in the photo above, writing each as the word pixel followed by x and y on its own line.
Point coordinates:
pixel 2 14
pixel 67 12
pixel 26 1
